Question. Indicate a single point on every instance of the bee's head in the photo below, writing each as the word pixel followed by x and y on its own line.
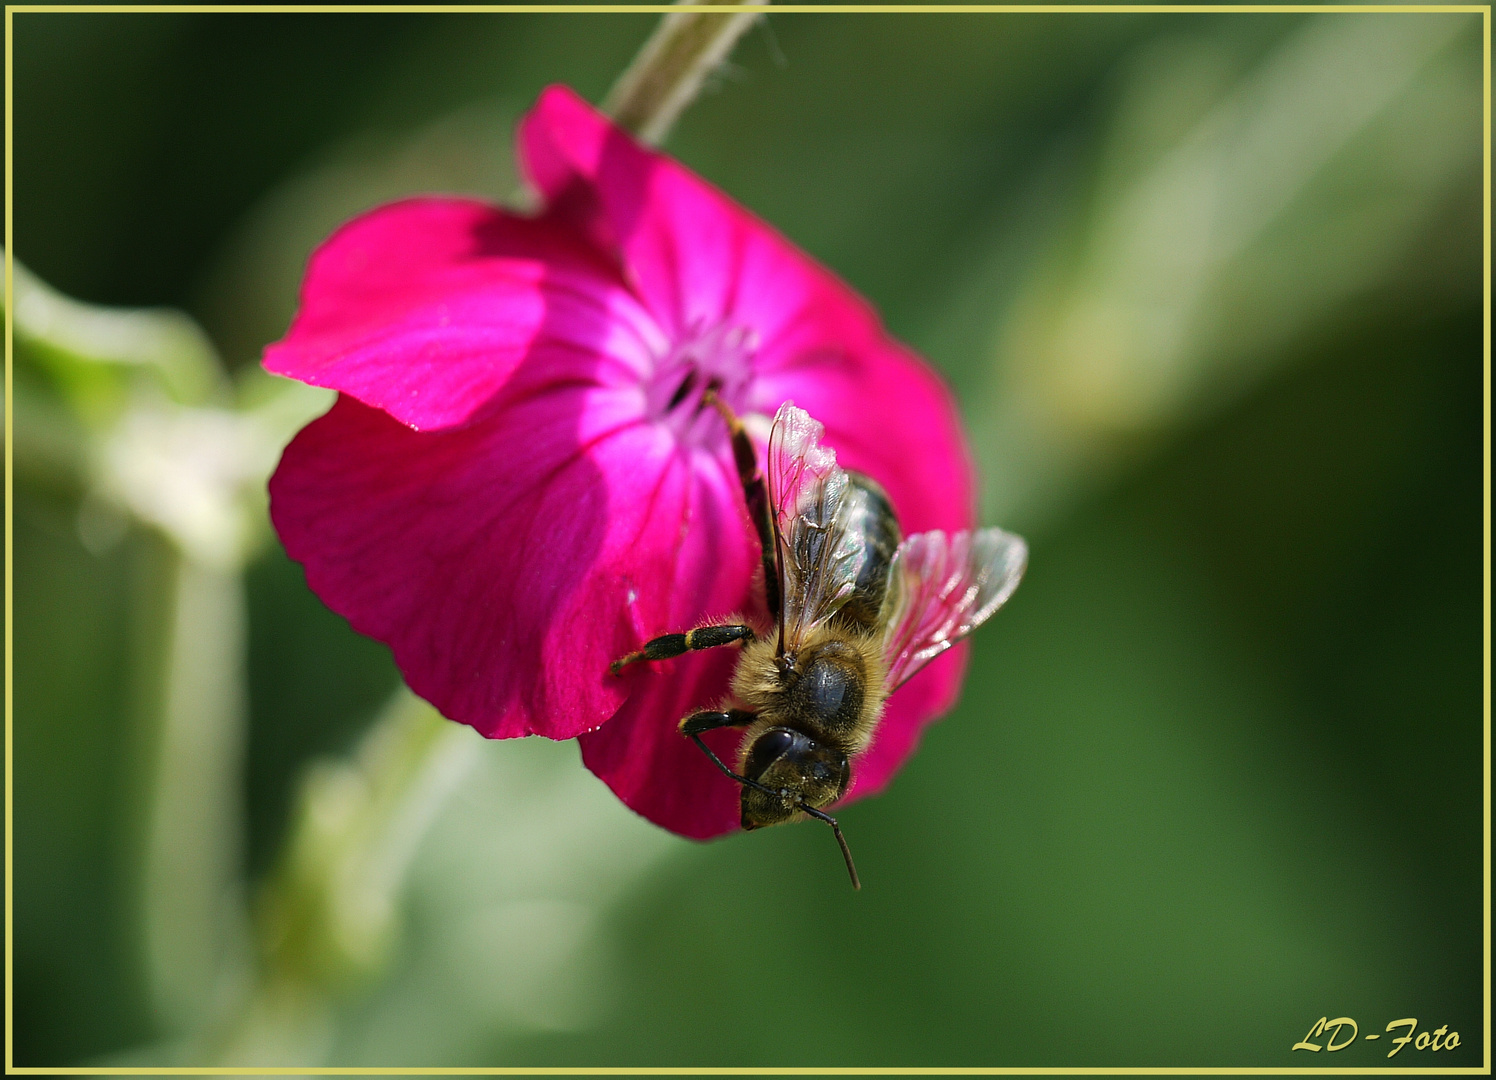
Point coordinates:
pixel 783 759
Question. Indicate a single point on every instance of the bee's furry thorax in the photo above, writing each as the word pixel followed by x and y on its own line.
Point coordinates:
pixel 834 691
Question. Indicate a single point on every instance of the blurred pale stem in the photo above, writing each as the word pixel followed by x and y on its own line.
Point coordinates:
pixel 143 429
pixel 115 369
pixel 195 924
pixel 329 916
pixel 671 67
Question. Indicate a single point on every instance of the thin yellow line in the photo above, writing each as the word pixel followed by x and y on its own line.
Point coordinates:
pixel 923 9
pixel 10 427
pixel 1486 534
pixel 778 9
pixel 1471 1070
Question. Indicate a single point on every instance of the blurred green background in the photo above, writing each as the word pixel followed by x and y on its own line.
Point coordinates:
pixel 1209 290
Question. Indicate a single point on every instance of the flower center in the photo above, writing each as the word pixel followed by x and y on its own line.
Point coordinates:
pixel 719 359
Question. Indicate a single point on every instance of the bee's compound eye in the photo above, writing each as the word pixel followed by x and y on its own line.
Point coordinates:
pixel 777 741
pixel 769 747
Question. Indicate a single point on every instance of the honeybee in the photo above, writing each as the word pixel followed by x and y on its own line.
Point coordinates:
pixel 858 608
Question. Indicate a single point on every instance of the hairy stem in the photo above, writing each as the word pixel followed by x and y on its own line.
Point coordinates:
pixel 670 68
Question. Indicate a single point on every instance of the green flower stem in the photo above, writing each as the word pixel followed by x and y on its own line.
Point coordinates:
pixel 194 921
pixel 98 386
pixel 671 67
pixel 129 411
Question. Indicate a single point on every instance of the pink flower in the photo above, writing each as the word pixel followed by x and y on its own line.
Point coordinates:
pixel 519 484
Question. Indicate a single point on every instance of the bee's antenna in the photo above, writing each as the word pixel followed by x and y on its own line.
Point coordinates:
pixel 812 811
pixel 840 839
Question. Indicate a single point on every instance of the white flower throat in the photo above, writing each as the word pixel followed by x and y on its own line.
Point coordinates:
pixel 719 359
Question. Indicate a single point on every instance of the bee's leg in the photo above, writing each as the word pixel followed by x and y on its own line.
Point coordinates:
pixel 698 722
pixel 695 737
pixel 671 645
pixel 693 725
pixel 756 495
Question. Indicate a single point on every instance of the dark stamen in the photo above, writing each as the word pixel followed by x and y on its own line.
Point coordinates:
pixel 681 391
pixel 713 385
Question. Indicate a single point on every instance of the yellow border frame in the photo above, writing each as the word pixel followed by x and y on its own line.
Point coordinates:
pixel 1484 10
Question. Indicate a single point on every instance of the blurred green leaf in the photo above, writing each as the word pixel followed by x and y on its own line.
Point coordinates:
pixel 90 351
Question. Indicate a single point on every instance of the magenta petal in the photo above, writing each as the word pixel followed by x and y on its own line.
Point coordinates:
pixel 508 562
pixel 640 753
pixel 425 308
pixel 889 416
pixel 656 770
pixel 698 259
pixel 694 256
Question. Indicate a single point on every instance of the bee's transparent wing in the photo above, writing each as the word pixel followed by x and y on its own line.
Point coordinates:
pixel 820 551
pixel 944 587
